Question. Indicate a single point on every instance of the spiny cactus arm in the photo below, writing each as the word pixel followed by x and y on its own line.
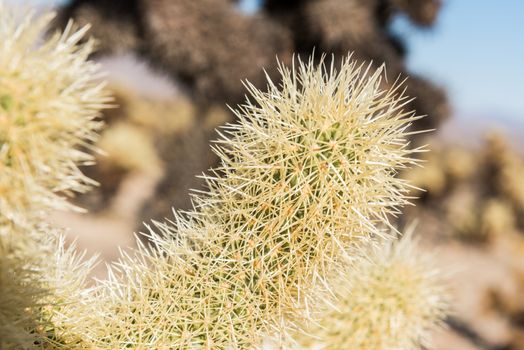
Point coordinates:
pixel 50 97
pixel 389 296
pixel 308 171
pixel 19 294
pixel 49 100
pixel 66 273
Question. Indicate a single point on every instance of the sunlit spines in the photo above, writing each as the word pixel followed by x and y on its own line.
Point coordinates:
pixel 173 297
pixel 21 290
pixel 49 100
pixel 65 275
pixel 50 97
pixel 387 297
pixel 307 172
pixel 310 169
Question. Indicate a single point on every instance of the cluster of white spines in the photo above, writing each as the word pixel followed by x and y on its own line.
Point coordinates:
pixel 49 99
pixel 387 297
pixel 307 172
pixel 50 96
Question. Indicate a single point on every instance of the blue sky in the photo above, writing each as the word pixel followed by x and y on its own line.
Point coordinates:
pixel 476 51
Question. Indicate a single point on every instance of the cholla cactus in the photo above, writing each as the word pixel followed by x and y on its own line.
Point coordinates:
pixel 43 287
pixel 496 218
pixel 306 174
pixel 20 292
pixel 389 298
pixel 65 276
pixel 504 170
pixel 49 98
pixel 308 171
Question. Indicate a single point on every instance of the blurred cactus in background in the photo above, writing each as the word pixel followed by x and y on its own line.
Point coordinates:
pixel 209 58
pixel 208 45
pixel 476 193
pixel 173 132
pixel 115 21
pixel 49 99
pixel 471 204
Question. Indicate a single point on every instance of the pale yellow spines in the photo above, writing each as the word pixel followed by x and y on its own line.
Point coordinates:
pixel 307 172
pixel 64 274
pixel 174 297
pixel 21 290
pixel 50 96
pixel 388 297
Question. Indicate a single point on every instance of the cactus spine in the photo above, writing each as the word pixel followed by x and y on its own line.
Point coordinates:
pixel 306 173
pixel 49 99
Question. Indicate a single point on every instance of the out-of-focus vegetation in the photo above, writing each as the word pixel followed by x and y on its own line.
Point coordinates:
pixel 473 196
